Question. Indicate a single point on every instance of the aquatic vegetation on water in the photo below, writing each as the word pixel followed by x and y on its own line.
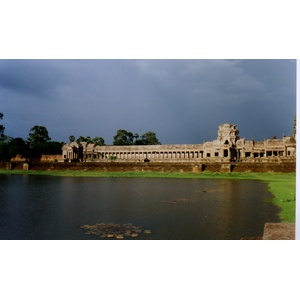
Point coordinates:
pixel 112 230
pixel 179 201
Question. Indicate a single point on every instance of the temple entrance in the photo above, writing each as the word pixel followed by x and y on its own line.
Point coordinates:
pixel 230 153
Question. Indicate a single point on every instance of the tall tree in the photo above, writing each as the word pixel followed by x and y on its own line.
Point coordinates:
pixel 4 151
pixel 81 139
pixel 98 141
pixel 51 147
pixel 1 126
pixel 38 135
pixel 123 137
pixel 87 139
pixel 4 140
pixel 149 138
pixel 38 141
pixel 72 138
pixel 18 146
pixel 136 137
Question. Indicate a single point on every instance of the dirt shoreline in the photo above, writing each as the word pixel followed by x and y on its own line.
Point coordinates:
pixel 276 231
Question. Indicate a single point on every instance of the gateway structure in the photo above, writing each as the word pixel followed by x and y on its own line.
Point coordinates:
pixel 227 147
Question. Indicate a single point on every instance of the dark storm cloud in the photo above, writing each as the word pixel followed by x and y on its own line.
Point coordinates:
pixel 199 95
pixel 31 77
pixel 182 101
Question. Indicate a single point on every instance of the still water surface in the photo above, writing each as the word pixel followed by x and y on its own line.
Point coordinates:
pixel 51 208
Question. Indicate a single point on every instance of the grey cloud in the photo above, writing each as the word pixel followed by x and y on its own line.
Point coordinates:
pixel 36 78
pixel 201 77
pixel 183 101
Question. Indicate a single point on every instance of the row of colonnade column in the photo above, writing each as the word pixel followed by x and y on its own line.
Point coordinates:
pixel 138 155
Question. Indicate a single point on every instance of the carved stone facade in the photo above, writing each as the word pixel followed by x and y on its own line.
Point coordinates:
pixel 227 147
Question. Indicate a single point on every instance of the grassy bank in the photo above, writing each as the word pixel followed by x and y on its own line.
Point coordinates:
pixel 281 185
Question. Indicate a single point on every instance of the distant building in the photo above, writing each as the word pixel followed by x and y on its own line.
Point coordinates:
pixel 227 147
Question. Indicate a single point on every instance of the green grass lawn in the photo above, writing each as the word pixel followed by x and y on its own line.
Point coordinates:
pixel 281 185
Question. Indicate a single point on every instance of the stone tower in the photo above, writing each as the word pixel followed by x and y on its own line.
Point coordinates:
pixel 228 134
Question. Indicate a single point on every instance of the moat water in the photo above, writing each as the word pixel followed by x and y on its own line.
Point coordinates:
pixel 55 208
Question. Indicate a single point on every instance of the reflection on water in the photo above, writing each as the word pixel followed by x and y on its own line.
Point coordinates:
pixel 37 207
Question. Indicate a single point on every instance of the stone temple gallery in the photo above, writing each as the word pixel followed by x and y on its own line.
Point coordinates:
pixel 226 148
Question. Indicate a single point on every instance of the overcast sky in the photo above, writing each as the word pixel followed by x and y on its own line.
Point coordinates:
pixel 182 101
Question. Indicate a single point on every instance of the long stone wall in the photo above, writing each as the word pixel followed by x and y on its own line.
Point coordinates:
pixel 286 167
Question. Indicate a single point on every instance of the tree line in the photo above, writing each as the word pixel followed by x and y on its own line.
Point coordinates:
pixel 39 142
pixel 122 138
